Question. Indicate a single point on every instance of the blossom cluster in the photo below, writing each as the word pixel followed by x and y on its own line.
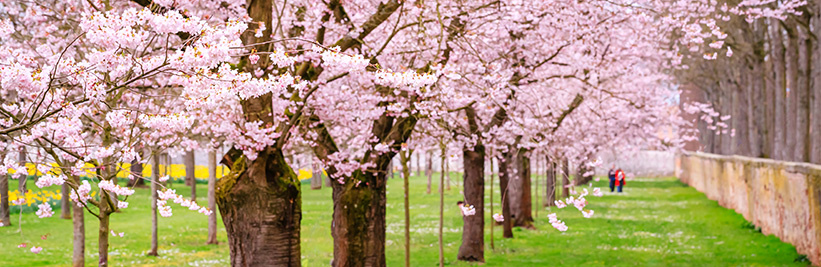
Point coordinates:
pixel 81 195
pixel 170 194
pixel 50 179
pixel 110 186
pixel 556 223
pixel 44 210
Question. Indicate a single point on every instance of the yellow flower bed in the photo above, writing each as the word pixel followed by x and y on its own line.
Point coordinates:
pixel 37 197
pixel 175 171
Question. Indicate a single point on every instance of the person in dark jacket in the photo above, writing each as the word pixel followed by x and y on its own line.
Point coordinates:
pixel 612 175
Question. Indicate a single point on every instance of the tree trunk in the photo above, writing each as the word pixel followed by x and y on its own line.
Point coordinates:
pixel 316 175
pixel 212 201
pixel 190 177
pixel 581 178
pixel 155 175
pixel 5 218
pixel 791 58
pixel 777 46
pixel 405 158
pixel 565 178
pixel 550 183
pixel 815 127
pixel 137 172
pixel 492 221
pixel 504 192
pixel 103 233
pixel 429 168
pixel 79 227
pixel 536 187
pixel 65 203
pixel 441 211
pixel 261 207
pixel 418 164
pixel 446 169
pixel 473 231
pixel 521 198
pixel 803 149
pixel 21 159
pixel 358 226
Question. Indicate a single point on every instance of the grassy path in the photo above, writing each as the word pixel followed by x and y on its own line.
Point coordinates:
pixel 659 222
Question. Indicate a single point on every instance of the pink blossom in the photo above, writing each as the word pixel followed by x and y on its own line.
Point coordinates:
pixel 44 210
pixel 498 217
pixel 36 249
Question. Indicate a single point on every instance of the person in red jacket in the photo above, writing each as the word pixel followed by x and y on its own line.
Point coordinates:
pixel 620 179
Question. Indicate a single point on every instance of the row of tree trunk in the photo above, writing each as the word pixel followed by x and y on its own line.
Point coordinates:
pixel 771 88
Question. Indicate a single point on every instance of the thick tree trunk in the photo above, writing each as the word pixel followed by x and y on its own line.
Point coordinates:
pixel 473 231
pixel 65 203
pixel 155 179
pixel 429 169
pixel 358 226
pixel 521 199
pixel 504 185
pixel 190 177
pixel 261 208
pixel 212 197
pixel 565 178
pixel 79 226
pixel 550 183
pixel 405 157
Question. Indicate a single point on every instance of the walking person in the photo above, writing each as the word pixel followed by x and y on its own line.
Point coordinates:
pixel 612 175
pixel 619 179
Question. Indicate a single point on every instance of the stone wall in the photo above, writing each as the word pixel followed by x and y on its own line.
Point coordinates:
pixel 783 198
pixel 645 163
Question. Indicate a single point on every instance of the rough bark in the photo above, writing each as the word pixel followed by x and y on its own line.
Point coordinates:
pixel 155 175
pixel 521 198
pixel 190 177
pixel 261 207
pixel 79 227
pixel 504 184
pixel 212 197
pixel 358 226
pixel 550 183
pixel 473 235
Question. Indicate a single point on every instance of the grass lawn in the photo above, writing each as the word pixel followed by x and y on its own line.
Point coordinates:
pixel 659 222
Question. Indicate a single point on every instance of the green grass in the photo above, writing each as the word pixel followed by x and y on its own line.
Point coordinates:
pixel 659 222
